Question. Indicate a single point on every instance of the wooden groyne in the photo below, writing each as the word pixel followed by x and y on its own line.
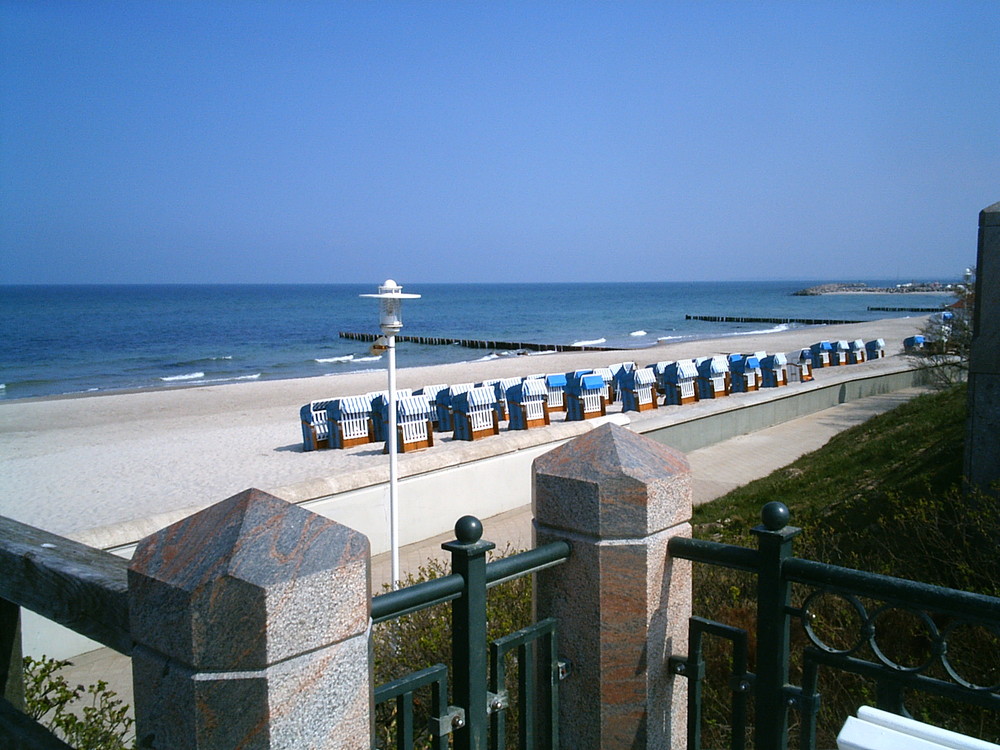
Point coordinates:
pixel 803 321
pixel 906 309
pixel 478 343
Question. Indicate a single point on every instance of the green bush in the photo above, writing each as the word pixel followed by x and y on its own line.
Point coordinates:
pixel 49 699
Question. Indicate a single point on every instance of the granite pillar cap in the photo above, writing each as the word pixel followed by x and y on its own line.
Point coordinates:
pixel 612 483
pixel 248 582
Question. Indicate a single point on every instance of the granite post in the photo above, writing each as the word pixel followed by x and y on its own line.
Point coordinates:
pixel 621 602
pixel 982 442
pixel 250 620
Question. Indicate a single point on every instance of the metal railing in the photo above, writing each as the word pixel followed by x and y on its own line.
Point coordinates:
pixel 477 715
pixel 875 607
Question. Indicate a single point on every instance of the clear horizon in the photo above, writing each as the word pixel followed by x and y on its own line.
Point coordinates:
pixel 291 142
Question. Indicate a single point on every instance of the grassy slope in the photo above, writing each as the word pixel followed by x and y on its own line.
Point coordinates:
pixel 861 499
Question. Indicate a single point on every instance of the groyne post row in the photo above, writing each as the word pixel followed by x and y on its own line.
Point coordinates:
pixel 249 622
pixel 907 309
pixel 478 343
pixel 740 319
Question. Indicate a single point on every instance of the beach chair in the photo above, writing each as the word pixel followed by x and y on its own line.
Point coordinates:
pixel 446 422
pixel 746 374
pixel 773 371
pixel 350 422
pixel 585 397
pixel 821 354
pixel 857 353
pixel 500 390
pixel 555 386
pixel 678 383
pixel 875 348
pixel 639 390
pixel 526 404
pixel 800 366
pixel 841 353
pixel 430 392
pixel 414 429
pixel 610 391
pixel 914 343
pixel 315 425
pixel 475 414
pixel 380 410
pixel 712 372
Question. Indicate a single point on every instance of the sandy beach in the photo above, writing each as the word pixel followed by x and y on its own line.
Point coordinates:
pixel 73 464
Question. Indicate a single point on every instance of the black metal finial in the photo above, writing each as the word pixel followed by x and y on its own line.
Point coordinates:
pixel 468 529
pixel 775 515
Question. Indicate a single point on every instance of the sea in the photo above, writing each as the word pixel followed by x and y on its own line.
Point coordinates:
pixel 93 339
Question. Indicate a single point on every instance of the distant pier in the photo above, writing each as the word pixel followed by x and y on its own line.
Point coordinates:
pixel 803 321
pixel 479 344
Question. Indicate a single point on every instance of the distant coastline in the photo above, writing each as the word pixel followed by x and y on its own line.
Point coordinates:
pixel 920 287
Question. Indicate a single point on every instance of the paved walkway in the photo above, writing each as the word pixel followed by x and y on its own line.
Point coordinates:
pixel 715 470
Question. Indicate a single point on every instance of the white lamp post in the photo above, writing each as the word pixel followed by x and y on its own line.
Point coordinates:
pixel 390 296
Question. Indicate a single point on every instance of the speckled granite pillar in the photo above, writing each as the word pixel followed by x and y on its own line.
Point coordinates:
pixel 622 604
pixel 251 621
pixel 982 443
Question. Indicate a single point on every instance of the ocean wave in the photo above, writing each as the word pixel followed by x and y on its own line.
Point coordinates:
pixel 671 338
pixel 367 359
pixel 3 386
pixel 186 376
pixel 255 376
pixel 333 360
pixel 488 358
pixel 638 333
pixel 595 342
pixel 776 329
pixel 190 362
pixel 544 351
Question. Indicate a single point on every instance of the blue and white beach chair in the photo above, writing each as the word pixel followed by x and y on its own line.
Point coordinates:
pixel 585 397
pixel 639 390
pixel 500 390
pixel 350 422
pixel 875 348
pixel 526 404
pixel 474 414
pixel 414 429
pixel 555 385
pixel 712 376
pixel 774 370
pixel 678 382
pixel 315 425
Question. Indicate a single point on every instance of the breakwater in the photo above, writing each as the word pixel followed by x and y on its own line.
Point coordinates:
pixel 478 343
pixel 906 309
pixel 741 319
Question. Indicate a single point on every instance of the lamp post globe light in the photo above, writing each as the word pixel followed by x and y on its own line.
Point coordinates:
pixel 390 296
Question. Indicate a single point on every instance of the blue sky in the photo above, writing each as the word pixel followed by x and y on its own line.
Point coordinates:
pixel 232 142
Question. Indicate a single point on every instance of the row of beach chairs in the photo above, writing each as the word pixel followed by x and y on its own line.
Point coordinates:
pixel 471 411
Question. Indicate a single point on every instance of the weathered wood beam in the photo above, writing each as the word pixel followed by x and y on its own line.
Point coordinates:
pixel 83 588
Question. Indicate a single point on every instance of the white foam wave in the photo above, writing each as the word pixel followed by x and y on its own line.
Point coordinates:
pixel 3 386
pixel 670 338
pixel 637 333
pixel 330 360
pixel 776 329
pixel 232 379
pixel 488 357
pixel 595 342
pixel 367 359
pixel 186 376
pixel 544 351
